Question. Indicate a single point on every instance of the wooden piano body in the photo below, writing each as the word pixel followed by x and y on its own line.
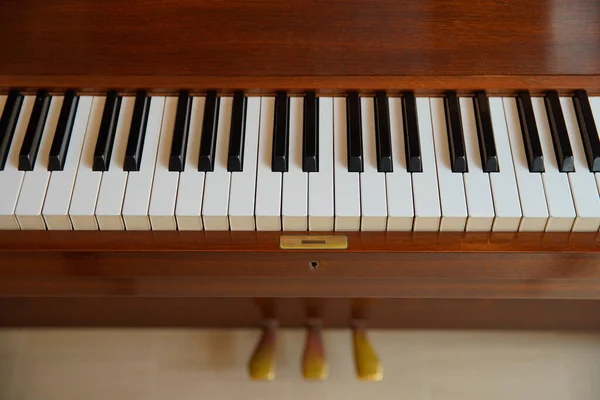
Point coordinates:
pixel 229 279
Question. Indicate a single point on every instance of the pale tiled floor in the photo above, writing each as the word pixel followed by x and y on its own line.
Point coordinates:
pixel 189 364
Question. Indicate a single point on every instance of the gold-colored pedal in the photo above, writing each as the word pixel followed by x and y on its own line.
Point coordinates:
pixel 263 362
pixel 368 367
pixel 314 362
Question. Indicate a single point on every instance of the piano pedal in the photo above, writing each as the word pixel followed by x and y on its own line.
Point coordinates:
pixel 368 367
pixel 314 361
pixel 263 362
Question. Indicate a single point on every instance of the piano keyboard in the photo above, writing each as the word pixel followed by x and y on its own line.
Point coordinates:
pixel 351 163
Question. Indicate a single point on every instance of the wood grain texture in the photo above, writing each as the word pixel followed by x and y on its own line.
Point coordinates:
pixel 250 264
pixel 295 312
pixel 257 44
pixel 323 85
pixel 261 242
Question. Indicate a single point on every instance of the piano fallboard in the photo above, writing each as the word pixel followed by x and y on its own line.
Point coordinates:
pixel 287 44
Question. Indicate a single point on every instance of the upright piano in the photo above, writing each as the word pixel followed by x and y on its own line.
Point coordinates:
pixel 252 163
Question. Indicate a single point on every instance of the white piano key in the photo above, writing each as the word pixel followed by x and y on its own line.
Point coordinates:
pixel 87 181
pixel 561 209
pixel 11 178
pixel 347 184
pixel 112 187
pixel 188 208
pixel 595 104
pixel 425 184
pixel 320 184
pixel 268 183
pixel 399 182
pixel 294 206
pixel 164 186
pixel 139 183
pixel 531 189
pixel 451 186
pixel 35 182
pixel 243 184
pixel 477 182
pixel 372 183
pixel 582 181
pixel 505 193
pixel 61 184
pixel 216 187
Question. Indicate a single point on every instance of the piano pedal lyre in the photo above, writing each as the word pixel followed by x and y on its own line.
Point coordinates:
pixel 368 366
pixel 314 361
pixel 264 359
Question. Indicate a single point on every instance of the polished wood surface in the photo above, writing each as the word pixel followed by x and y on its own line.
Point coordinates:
pixel 294 312
pixel 337 44
pixel 250 264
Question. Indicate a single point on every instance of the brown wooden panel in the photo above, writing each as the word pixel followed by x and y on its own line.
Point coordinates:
pixel 429 85
pixel 252 265
pixel 174 43
pixel 248 264
pixel 541 288
pixel 261 242
pixel 335 313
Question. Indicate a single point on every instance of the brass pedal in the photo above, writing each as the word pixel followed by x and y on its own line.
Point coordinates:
pixel 314 361
pixel 263 362
pixel 368 367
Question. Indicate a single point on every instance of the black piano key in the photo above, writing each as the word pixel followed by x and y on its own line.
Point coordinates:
pixel 354 132
pixel 137 132
pixel 383 136
pixel 310 142
pixel 208 141
pixel 8 123
pixel 106 134
pixel 456 139
pixel 281 133
pixel 33 135
pixel 560 136
pixel 587 128
pixel 485 131
pixel 180 132
pixel 412 142
pixel 64 128
pixel 531 138
pixel 235 158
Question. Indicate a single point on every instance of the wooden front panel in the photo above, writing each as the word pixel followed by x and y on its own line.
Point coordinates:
pixel 312 43
pixel 295 312
pixel 250 264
